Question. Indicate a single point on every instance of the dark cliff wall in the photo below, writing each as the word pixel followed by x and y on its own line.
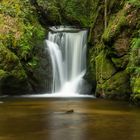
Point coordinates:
pixel 116 52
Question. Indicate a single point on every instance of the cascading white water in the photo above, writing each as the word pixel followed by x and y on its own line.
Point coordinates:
pixel 67 48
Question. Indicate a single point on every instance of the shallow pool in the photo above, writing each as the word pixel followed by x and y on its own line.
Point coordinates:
pixel 68 119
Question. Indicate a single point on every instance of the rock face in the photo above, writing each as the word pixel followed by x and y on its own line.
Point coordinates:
pixel 20 34
pixel 40 77
pixel 117 53
pixel 13 79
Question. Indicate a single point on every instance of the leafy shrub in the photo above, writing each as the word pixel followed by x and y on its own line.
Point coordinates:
pixel 135 3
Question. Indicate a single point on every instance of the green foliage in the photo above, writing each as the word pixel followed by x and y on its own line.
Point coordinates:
pixel 31 37
pixel 10 64
pixel 20 32
pixel 134 54
pixel 3 74
pixel 32 64
pixel 135 98
pixel 104 67
pixel 116 24
pixel 136 41
pixel 51 8
pixel 19 22
pixel 81 10
pixel 135 3
pixel 136 85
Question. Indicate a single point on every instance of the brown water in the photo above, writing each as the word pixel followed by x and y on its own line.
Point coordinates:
pixel 46 119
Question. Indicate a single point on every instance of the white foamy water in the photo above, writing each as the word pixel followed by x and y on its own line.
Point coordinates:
pixel 68 55
pixel 67 48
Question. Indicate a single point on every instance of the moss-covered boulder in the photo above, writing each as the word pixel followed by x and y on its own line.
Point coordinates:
pixel 104 67
pixel 116 25
pixel 120 63
pixel 20 33
pixel 118 86
pixel 13 79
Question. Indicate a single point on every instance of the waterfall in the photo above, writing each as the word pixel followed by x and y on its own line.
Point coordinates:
pixel 67 49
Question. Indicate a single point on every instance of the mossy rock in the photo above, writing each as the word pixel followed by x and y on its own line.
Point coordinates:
pixel 13 79
pixel 10 63
pixel 115 26
pixel 104 67
pixel 91 69
pixel 11 85
pixel 135 98
pixel 3 74
pixel 135 83
pixel 121 45
pixel 39 71
pixel 117 87
pixel 127 17
pixel 20 32
pixel 120 63
pixel 91 63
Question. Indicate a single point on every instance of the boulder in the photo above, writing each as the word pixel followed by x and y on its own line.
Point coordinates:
pixel 104 68
pixel 118 86
pixel 13 79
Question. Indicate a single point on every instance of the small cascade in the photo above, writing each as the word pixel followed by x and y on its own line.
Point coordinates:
pixel 67 48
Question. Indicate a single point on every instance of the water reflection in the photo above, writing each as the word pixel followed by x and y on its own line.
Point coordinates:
pixel 66 126
pixel 48 119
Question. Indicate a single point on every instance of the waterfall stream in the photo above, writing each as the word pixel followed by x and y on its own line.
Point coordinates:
pixel 67 48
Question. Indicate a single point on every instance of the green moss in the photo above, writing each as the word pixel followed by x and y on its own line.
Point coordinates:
pixel 3 74
pixel 115 26
pixel 10 63
pixel 99 47
pixel 104 67
pixel 66 11
pixel 135 83
pixel 20 33
pixel 135 98
pixel 135 3
pixel 117 87
pixel 91 63
pixel 120 63
pixel 20 30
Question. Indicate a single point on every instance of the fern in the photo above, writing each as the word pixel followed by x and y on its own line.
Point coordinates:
pixel 135 43
pixel 135 3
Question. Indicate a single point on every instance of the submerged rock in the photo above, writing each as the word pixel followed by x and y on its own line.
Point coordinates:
pixel 70 111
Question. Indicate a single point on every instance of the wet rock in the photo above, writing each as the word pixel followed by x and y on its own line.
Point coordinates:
pixel 85 88
pixel 70 111
pixel 40 78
